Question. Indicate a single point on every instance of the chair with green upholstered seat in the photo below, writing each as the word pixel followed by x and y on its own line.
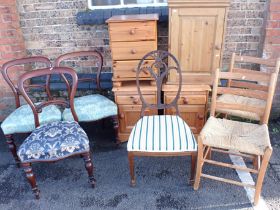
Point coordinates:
pixel 21 120
pixel 92 107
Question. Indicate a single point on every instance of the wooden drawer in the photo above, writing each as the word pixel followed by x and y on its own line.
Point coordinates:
pixel 125 69
pixel 187 99
pixel 133 31
pixel 131 50
pixel 135 99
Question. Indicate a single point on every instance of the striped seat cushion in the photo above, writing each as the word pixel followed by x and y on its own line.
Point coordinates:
pixel 163 133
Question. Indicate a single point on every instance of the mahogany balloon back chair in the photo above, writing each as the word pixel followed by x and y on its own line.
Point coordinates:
pixel 160 135
pixel 21 120
pixel 92 107
pixel 53 141
pixel 243 139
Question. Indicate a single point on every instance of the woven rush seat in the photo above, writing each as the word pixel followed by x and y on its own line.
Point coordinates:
pixel 234 135
pixel 161 133
pixel 53 141
pixel 246 101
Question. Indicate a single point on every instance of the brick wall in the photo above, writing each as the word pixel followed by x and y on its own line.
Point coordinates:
pixel 245 28
pixel 272 45
pixel 49 28
pixel 11 47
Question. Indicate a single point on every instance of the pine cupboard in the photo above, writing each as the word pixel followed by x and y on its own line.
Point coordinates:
pixel 196 34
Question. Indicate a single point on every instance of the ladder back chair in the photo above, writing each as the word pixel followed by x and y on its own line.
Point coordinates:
pixel 272 64
pixel 21 120
pixel 160 135
pixel 53 141
pixel 238 138
pixel 92 107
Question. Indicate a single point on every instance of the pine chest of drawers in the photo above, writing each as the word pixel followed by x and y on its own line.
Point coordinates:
pixel 131 37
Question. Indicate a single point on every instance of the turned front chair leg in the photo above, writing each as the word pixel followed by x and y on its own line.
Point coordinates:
pixel 131 169
pixel 31 179
pixel 193 163
pixel 89 168
pixel 261 174
pixel 199 163
pixel 13 148
pixel 115 120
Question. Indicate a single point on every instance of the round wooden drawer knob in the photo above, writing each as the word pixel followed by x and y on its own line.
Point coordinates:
pixel 133 51
pixel 135 100
pixel 121 115
pixel 145 71
pixel 185 100
pixel 200 117
pixel 132 32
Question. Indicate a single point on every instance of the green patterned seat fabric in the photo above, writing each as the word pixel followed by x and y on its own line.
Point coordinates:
pixel 91 108
pixel 22 119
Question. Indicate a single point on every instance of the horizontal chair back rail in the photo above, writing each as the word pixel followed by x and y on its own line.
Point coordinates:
pixel 242 92
pixel 47 72
pixel 261 61
pixel 92 53
pixel 18 62
pixel 267 95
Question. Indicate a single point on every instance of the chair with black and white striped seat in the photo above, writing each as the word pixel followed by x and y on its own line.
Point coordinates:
pixel 160 135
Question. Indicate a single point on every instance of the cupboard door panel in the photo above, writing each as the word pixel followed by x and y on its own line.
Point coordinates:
pixel 195 38
pixel 193 115
pixel 129 115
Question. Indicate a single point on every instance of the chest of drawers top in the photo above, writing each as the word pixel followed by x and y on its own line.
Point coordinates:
pixel 133 27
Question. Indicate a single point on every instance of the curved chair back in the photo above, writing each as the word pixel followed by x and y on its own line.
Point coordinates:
pixel 8 65
pixel 159 70
pixel 93 53
pixel 37 108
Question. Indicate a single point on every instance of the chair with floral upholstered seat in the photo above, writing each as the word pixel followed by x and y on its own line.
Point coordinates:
pixel 92 107
pixel 21 120
pixel 53 141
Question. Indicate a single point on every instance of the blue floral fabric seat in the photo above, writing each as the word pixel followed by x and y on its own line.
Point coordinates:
pixel 22 119
pixel 54 141
pixel 91 108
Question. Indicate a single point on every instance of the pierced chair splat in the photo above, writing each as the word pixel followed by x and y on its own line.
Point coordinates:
pixel 244 139
pixel 53 141
pixel 90 107
pixel 160 135
pixel 21 120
